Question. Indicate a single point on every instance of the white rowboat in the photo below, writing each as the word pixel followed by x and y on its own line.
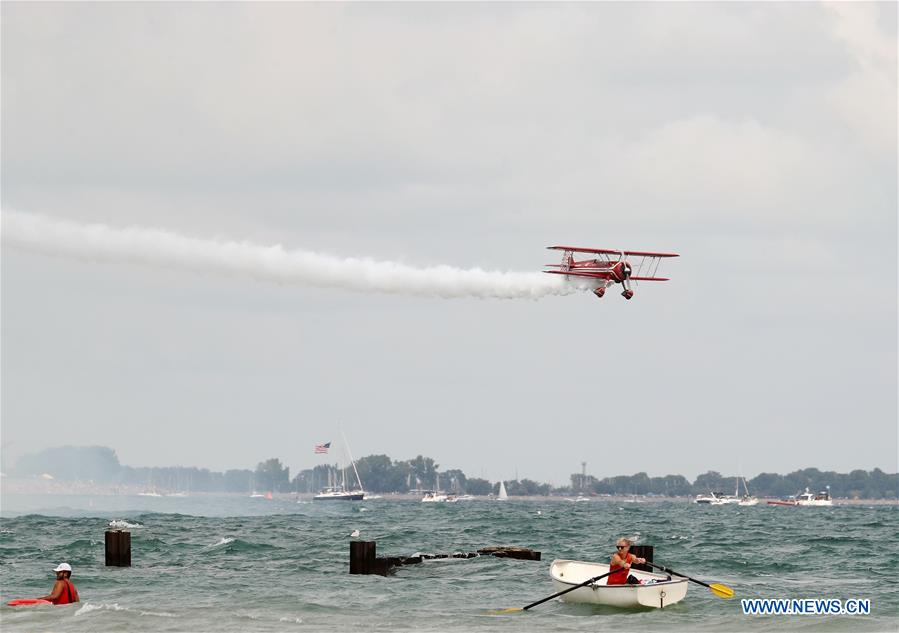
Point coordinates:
pixel 660 590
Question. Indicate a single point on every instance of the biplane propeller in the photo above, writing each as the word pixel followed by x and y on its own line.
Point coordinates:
pixel 609 267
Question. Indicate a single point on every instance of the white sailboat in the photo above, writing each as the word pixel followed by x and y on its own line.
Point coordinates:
pixel 503 495
pixel 253 492
pixel 151 489
pixel 337 490
pixel 747 499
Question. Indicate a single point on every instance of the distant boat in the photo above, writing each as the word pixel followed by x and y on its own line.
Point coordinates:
pixel 719 498
pixel 806 498
pixel 437 496
pixel 253 492
pixel 337 490
pixel 150 490
pixel 339 493
pixel 747 499
pixel 712 499
pixel 503 495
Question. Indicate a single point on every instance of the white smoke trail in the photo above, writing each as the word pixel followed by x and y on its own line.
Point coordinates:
pixel 158 247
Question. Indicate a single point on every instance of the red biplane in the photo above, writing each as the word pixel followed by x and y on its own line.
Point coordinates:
pixel 609 267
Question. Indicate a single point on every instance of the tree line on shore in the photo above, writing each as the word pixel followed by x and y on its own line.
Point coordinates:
pixel 383 475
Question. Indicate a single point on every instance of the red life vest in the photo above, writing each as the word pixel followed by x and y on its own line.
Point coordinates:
pixel 619 573
pixel 68 595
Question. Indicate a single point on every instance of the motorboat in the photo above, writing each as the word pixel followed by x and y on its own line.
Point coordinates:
pixel 715 499
pixel 810 499
pixel 654 590
pixel 435 496
pixel 806 498
pixel 438 496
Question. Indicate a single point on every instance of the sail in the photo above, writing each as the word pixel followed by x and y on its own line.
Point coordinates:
pixel 502 496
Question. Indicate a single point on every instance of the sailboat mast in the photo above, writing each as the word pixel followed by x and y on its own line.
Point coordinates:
pixel 352 461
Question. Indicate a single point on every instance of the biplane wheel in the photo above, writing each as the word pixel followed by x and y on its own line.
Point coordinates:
pixel 599 292
pixel 627 294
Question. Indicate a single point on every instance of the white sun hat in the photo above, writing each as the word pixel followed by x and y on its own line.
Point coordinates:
pixel 63 567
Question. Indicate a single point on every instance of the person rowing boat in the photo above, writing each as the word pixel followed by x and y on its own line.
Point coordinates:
pixel 622 559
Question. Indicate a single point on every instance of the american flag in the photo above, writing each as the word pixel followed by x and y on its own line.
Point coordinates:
pixel 322 448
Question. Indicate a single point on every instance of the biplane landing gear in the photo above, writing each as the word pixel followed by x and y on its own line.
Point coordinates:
pixel 627 294
pixel 599 292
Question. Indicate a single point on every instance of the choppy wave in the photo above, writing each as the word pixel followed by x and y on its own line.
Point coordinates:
pixel 233 544
pixel 122 523
pixel 199 573
pixel 88 607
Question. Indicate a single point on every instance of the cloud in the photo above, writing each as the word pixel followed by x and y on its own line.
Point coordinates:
pixel 707 160
pixel 866 99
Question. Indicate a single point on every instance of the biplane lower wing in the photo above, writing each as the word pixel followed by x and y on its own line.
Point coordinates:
pixel 577 273
pixel 573 273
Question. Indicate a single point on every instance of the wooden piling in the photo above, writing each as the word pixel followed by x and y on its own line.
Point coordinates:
pixel 362 557
pixel 118 548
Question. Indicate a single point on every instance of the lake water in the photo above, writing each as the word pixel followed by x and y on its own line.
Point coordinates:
pixel 227 563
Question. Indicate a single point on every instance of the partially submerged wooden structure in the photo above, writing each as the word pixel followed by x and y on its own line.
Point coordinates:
pixel 364 559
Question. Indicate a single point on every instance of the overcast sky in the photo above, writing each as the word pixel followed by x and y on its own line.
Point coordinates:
pixel 757 140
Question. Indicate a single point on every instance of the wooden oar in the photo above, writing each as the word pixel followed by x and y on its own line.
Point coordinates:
pixel 555 595
pixel 722 591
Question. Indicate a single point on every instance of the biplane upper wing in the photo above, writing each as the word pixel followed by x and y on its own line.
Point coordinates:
pixel 578 249
pixel 649 254
pixel 610 251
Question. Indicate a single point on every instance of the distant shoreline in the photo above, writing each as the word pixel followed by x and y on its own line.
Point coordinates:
pixel 30 486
